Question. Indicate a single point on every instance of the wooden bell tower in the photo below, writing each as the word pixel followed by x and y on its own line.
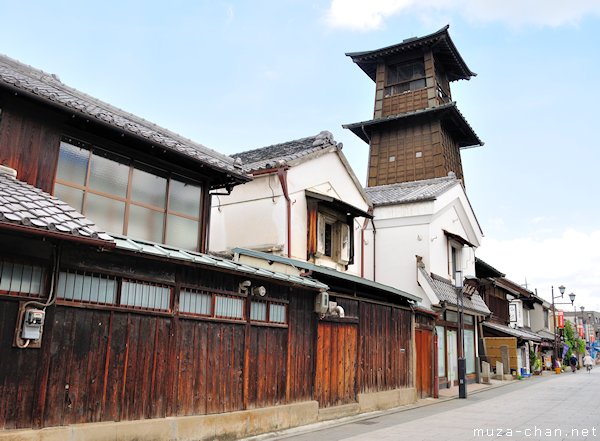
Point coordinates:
pixel 417 131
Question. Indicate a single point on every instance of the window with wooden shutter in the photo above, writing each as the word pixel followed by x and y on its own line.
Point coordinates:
pixel 320 235
pixel 344 243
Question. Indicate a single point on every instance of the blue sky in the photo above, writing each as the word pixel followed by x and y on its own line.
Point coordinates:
pixel 237 75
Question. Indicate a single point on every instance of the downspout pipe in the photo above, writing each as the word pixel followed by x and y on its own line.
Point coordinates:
pixel 362 243
pixel 282 175
pixel 374 251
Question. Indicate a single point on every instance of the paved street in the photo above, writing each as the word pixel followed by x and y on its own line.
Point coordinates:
pixel 563 407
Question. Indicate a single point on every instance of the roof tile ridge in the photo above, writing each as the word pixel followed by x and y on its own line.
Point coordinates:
pixel 19 65
pixel 29 71
pixel 273 145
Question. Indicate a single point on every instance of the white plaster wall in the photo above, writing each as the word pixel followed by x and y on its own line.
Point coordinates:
pixel 404 231
pixel 255 214
pixel 536 316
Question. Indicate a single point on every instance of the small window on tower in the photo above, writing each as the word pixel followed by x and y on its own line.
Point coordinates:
pixel 404 77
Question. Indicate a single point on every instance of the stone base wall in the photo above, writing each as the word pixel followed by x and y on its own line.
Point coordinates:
pixel 388 399
pixel 226 426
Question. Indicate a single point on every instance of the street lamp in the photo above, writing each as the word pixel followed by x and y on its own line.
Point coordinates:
pixel 462 362
pixel 583 321
pixel 561 289
pixel 572 297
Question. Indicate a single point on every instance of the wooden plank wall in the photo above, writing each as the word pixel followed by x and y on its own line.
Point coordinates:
pixel 385 348
pixel 335 370
pixel 301 348
pixel 109 364
pixel 424 354
pixel 393 155
pixel 29 141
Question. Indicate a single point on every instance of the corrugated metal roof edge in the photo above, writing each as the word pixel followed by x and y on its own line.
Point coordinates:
pixel 168 252
pixel 327 271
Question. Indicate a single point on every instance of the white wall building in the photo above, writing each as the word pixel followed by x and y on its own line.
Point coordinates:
pixel 304 203
pixel 422 238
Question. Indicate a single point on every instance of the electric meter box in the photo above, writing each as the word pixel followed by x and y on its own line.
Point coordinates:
pixel 322 303
pixel 32 324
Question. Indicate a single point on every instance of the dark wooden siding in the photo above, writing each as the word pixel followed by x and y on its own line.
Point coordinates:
pixel 407 101
pixel 301 348
pixel 393 154
pixel 29 143
pixel 385 348
pixel 107 363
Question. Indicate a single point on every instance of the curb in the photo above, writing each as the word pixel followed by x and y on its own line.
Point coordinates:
pixel 301 430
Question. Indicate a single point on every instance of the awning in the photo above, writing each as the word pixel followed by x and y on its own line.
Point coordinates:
pixel 168 252
pixel 461 240
pixel 513 332
pixel 448 294
pixel 330 272
pixel 338 204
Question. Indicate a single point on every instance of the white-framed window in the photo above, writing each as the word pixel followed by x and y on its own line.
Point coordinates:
pixel 333 238
pixel 454 258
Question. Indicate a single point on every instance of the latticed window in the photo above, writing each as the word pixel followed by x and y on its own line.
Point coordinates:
pixel 208 304
pixel 101 289
pixel 21 278
pixel 404 77
pixel 129 198
pixel 268 311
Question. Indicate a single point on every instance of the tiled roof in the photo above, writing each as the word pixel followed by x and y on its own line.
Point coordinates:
pixel 407 192
pixel 442 45
pixel 453 120
pixel 484 269
pixel 546 335
pixel 515 332
pixel 43 86
pixel 168 252
pixel 325 271
pixel 25 206
pixel 278 155
pixel 446 292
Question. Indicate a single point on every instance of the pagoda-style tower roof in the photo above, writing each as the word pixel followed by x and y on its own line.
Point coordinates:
pixel 451 118
pixel 439 42
pixel 416 132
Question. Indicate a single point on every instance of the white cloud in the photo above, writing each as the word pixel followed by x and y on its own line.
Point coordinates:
pixel 572 259
pixel 230 14
pixel 368 15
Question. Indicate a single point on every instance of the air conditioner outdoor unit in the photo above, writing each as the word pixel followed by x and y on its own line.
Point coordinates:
pixel 322 303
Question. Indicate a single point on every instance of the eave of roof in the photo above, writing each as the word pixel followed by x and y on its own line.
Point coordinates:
pixel 171 253
pixel 286 153
pixel 448 113
pixel 514 332
pixel 439 41
pixel 513 287
pixel 449 295
pixel 41 86
pixel 339 204
pixel 27 209
pixel 458 238
pixel 483 269
pixel 409 192
pixel 317 269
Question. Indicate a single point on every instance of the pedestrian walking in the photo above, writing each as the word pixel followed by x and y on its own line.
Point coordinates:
pixel 573 361
pixel 588 362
